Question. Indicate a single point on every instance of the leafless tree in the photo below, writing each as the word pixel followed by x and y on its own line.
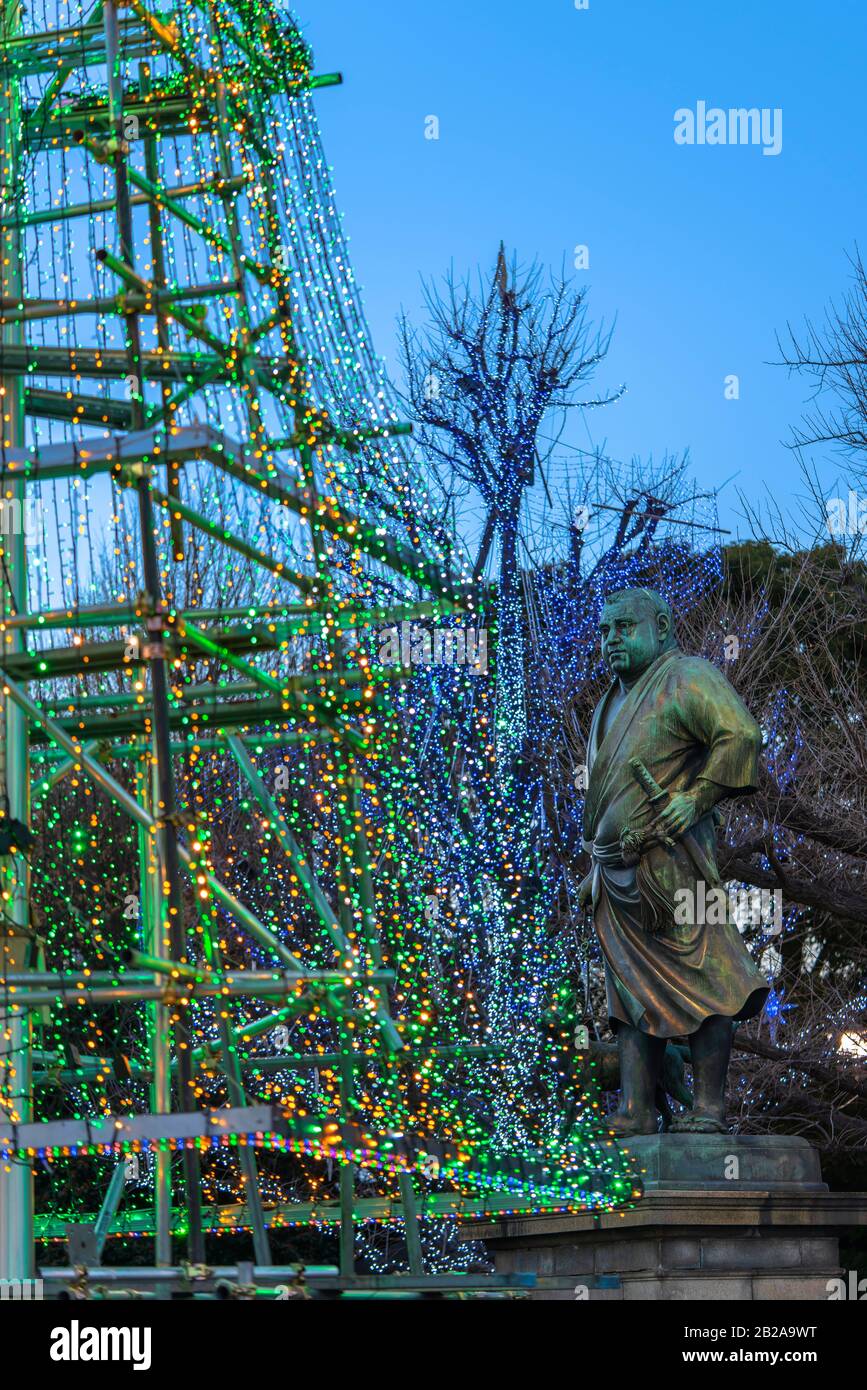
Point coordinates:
pixel 834 356
pixel 495 360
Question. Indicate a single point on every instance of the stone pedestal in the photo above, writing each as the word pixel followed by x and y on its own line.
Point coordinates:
pixel 722 1217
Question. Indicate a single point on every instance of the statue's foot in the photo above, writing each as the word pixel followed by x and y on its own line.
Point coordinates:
pixel 694 1122
pixel 626 1126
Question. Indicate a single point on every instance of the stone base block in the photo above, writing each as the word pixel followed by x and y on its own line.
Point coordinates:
pixel 740 1219
pixel 722 1162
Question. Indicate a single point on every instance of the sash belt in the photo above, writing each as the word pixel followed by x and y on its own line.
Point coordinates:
pixel 607 855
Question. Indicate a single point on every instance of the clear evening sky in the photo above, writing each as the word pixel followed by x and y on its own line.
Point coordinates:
pixel 556 130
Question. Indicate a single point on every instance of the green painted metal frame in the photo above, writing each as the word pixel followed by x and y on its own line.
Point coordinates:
pixel 16 1184
pixel 133 465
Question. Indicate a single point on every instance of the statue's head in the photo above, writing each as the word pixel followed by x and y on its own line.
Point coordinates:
pixel 636 626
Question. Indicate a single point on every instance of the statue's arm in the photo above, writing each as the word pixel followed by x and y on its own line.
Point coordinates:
pixel 713 714
pixel 716 717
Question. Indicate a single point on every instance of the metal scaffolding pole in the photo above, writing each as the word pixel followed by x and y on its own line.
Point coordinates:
pixel 16 1183
pixel 166 808
pixel 157 1014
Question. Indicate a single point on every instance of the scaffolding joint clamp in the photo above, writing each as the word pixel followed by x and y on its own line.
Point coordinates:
pixel 131 473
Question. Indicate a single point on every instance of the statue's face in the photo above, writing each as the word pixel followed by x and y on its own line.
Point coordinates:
pixel 631 637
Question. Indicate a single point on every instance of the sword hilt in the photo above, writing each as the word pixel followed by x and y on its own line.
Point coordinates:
pixel 647 782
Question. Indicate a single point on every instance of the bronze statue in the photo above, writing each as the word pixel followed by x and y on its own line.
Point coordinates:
pixel 669 740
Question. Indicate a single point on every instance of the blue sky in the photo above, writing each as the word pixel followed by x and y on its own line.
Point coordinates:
pixel 556 130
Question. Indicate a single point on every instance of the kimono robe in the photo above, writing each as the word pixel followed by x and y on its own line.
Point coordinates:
pixel 683 720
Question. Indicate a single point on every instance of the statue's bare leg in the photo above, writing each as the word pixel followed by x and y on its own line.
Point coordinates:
pixel 640 1066
pixel 710 1047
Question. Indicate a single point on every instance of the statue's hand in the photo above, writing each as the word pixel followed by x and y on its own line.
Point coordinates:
pixel 680 813
pixel 585 892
